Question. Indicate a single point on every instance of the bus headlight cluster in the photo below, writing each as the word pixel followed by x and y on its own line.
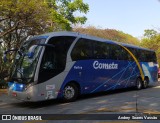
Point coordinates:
pixel 21 86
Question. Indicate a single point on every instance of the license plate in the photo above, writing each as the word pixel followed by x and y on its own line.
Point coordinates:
pixel 14 94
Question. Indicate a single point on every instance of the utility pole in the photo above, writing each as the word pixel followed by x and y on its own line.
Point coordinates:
pixel 136 102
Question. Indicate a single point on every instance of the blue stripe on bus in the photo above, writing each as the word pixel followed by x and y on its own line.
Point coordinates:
pixel 93 80
pixel 130 75
pixel 118 83
pixel 112 77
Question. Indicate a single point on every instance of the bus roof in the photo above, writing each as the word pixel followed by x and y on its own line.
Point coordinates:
pixel 76 34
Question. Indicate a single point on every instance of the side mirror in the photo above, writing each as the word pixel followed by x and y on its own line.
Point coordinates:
pixel 31 51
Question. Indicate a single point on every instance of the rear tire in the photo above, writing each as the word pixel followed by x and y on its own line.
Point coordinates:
pixel 138 84
pixel 145 83
pixel 70 92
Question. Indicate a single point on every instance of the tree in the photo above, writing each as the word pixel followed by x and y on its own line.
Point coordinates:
pixel 40 15
pixel 151 40
pixel 19 19
pixel 64 12
pixel 110 34
pixel 150 33
pixel 22 14
pixel 22 18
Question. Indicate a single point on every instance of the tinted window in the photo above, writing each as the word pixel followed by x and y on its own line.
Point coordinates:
pixel 133 51
pixel 145 56
pixel 101 50
pixel 150 56
pixel 54 58
pixel 119 53
pixel 114 52
pixel 82 50
pixel 91 49
pixel 153 56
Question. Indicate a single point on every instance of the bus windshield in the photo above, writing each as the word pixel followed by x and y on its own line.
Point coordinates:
pixel 24 67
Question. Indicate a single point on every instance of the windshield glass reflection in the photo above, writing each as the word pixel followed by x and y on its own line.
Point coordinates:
pixel 25 66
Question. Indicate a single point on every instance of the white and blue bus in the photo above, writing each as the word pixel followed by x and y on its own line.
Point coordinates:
pixel 68 64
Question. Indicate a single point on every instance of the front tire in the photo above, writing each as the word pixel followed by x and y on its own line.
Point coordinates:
pixel 70 92
pixel 138 84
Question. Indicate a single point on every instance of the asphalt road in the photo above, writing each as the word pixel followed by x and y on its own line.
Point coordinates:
pixel 120 101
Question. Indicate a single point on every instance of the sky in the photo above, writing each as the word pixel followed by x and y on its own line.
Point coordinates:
pixel 129 16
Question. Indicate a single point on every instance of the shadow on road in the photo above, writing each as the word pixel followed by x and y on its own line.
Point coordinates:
pixel 48 103
pixel 39 104
pixel 123 100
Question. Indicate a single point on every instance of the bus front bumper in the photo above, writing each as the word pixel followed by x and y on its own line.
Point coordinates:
pixel 20 92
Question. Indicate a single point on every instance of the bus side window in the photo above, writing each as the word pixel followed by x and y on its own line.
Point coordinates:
pixel 49 59
pixel 54 58
pixel 124 54
pixel 130 58
pixel 82 50
pixel 112 53
pixel 141 56
pixel 137 54
pixel 101 50
pixel 153 57
pixel 115 52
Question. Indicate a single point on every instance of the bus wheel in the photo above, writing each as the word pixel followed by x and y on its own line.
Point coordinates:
pixel 138 84
pixel 145 83
pixel 70 92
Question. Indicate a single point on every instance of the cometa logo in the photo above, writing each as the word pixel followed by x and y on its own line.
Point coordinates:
pixel 97 65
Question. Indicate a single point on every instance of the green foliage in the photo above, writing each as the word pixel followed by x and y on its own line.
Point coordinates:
pixel 151 40
pixel 39 16
pixel 22 18
pixel 23 14
pixel 150 33
pixel 110 34
pixel 19 19
pixel 63 12
pixel 3 84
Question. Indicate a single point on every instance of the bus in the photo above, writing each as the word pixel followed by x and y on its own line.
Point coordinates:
pixel 67 64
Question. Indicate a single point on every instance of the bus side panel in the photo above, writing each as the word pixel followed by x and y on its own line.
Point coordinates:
pixel 102 75
pixel 50 89
pixel 150 70
pixel 122 76
pixel 82 73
